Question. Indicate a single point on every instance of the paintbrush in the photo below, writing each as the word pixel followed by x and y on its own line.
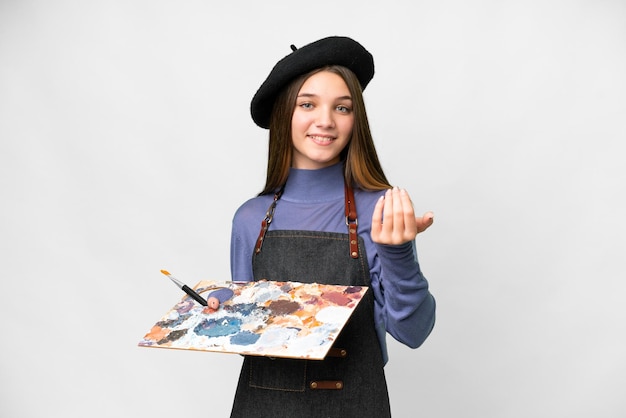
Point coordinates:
pixel 186 288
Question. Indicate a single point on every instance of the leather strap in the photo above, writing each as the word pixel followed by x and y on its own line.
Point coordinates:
pixel 326 384
pixel 351 221
pixel 337 352
pixel 265 223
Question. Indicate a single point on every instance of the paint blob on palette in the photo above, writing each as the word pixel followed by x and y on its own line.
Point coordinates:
pixel 264 318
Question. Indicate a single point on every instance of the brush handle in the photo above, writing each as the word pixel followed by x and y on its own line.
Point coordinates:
pixel 194 295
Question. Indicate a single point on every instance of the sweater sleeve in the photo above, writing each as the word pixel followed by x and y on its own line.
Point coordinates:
pixel 240 270
pixel 404 305
pixel 246 223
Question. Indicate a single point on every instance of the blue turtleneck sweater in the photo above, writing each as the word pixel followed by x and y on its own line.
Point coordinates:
pixel 313 200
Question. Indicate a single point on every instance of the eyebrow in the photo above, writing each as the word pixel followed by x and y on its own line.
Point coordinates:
pixel 315 95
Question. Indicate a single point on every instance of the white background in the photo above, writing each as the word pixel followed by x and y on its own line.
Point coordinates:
pixel 126 145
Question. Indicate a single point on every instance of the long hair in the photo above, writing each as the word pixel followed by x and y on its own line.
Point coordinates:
pixel 361 165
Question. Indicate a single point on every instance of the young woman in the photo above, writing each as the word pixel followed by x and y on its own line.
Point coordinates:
pixel 328 215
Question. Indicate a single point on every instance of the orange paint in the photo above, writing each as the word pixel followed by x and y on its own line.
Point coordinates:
pixel 156 333
pixel 311 322
pixel 208 310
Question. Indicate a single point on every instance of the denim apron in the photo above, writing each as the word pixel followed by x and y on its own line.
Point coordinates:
pixel 350 381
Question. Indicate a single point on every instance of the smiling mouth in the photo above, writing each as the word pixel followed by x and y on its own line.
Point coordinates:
pixel 322 139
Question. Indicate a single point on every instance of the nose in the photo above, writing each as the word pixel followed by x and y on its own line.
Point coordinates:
pixel 325 118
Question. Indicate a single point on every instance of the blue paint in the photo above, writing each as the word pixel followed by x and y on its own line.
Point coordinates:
pixel 244 309
pixel 172 323
pixel 244 338
pixel 287 287
pixel 222 294
pixel 220 327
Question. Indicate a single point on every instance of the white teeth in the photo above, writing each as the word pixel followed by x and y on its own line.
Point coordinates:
pixel 321 138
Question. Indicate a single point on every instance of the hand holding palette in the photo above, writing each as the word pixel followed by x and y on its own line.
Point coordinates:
pixel 264 318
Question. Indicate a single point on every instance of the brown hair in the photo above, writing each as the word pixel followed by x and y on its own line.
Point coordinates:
pixel 361 165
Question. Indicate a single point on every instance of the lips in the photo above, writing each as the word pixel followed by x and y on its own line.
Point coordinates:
pixel 322 139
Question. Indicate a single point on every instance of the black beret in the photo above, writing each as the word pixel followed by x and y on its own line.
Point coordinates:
pixel 334 50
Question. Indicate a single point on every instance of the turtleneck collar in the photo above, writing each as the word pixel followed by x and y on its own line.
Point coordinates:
pixel 308 186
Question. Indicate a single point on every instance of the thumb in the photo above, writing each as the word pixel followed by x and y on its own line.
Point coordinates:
pixel 425 221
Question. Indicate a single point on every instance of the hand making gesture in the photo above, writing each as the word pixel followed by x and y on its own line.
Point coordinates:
pixel 394 221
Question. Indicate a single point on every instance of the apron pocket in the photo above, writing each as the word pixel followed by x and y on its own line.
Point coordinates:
pixel 278 374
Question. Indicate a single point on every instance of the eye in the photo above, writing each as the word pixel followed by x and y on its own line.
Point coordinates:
pixel 306 105
pixel 343 109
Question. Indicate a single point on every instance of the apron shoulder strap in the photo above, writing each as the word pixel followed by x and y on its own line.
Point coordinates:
pixel 351 221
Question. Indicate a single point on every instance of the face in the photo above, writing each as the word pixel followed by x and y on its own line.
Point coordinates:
pixel 322 121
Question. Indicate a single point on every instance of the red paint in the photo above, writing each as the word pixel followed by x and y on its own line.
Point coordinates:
pixel 284 307
pixel 337 298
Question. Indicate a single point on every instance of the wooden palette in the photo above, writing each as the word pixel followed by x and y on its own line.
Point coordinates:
pixel 264 318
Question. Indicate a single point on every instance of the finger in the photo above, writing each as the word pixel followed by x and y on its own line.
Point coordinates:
pixel 382 219
pixel 387 220
pixel 409 213
pixel 425 221
pixel 377 217
pixel 397 211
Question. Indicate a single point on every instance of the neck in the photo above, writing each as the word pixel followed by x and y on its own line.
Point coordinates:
pixel 322 185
